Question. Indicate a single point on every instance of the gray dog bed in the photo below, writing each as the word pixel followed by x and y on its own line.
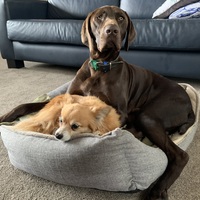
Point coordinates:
pixel 114 162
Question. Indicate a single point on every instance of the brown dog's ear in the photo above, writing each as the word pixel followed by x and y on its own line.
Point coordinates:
pixel 87 36
pixel 130 34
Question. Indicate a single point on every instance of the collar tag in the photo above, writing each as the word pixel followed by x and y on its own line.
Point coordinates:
pixel 104 66
pixel 94 65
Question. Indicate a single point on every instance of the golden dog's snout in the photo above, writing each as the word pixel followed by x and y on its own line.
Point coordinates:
pixel 58 135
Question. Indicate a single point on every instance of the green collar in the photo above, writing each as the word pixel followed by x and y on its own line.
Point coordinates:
pixel 104 66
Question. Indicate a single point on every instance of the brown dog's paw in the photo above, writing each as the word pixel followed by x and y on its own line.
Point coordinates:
pixel 157 196
pixel 154 195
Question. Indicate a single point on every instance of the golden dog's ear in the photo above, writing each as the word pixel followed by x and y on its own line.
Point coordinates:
pixel 130 34
pixel 87 36
pixel 101 112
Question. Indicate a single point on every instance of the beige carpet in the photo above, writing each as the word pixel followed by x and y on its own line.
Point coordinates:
pixel 23 85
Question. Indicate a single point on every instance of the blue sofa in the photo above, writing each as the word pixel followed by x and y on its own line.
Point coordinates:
pixel 49 32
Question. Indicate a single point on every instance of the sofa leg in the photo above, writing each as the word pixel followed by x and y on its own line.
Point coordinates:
pixel 15 63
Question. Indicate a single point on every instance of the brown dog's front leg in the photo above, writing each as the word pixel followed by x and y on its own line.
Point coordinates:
pixel 177 158
pixel 176 163
pixel 21 110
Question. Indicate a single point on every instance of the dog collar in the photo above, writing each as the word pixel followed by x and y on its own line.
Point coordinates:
pixel 104 66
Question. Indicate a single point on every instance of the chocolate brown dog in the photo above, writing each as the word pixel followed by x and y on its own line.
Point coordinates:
pixel 146 101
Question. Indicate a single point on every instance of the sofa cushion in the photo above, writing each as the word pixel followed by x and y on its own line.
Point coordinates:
pixel 45 31
pixel 140 9
pixel 26 9
pixel 75 9
pixel 167 34
pixel 151 34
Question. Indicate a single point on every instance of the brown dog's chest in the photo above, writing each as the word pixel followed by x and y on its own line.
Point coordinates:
pixel 119 87
pixel 108 88
pixel 100 85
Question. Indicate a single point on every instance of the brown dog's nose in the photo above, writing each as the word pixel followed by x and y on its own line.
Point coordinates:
pixel 111 29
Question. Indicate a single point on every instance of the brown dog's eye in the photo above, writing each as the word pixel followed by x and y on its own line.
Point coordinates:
pixel 100 17
pixel 74 126
pixel 120 18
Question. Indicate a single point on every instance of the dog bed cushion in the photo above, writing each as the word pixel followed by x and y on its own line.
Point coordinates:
pixel 114 162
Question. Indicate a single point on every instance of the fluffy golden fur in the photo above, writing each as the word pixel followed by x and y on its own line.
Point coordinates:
pixel 69 115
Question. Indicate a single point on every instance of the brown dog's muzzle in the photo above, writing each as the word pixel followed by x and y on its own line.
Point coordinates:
pixel 110 38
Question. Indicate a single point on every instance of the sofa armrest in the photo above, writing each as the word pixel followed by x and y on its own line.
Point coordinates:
pixel 6 46
pixel 26 9
pixel 17 9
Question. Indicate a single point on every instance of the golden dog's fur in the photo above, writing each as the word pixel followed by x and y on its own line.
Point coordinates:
pixel 68 115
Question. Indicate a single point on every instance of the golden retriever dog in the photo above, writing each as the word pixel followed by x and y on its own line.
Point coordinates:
pixel 68 116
